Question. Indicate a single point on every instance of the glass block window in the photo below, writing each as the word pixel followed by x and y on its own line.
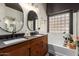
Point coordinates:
pixel 59 23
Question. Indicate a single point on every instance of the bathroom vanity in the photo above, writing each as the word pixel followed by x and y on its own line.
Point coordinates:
pixel 12 21
pixel 32 46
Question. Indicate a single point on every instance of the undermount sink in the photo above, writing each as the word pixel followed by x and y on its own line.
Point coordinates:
pixel 14 41
pixel 38 35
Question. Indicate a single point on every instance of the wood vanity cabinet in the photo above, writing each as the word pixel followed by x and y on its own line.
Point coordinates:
pixel 35 47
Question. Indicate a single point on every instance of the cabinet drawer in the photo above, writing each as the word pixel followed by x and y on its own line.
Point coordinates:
pixel 36 42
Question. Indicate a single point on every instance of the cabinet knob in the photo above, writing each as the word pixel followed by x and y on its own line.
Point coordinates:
pixel 4 54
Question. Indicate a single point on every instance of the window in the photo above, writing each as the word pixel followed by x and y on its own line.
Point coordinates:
pixel 59 23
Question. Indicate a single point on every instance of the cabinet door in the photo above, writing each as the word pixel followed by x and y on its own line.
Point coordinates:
pixel 36 48
pixel 35 51
pixel 39 46
pixel 44 45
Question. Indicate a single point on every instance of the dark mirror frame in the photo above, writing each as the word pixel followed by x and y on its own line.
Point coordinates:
pixel 32 16
pixel 15 6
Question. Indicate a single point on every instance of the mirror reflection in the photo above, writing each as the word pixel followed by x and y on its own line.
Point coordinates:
pixel 12 17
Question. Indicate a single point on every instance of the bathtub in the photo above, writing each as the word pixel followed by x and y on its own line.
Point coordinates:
pixel 61 50
pixel 55 45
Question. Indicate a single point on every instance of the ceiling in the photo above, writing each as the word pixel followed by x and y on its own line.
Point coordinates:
pixel 57 7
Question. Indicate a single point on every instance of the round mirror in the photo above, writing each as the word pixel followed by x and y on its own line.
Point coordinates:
pixel 11 17
pixel 31 20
